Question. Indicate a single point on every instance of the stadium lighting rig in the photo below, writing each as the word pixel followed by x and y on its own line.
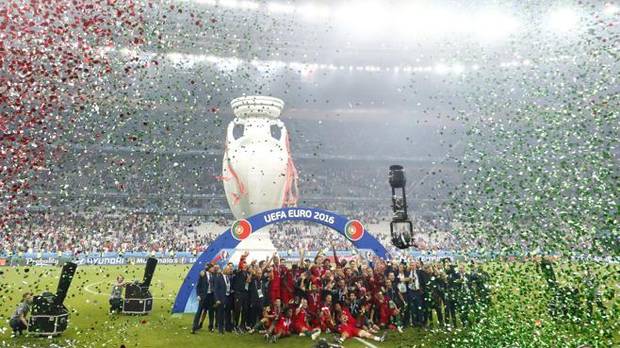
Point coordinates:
pixel 401 228
pixel 138 298
pixel 611 9
pixel 564 20
pixel 49 316
pixel 406 18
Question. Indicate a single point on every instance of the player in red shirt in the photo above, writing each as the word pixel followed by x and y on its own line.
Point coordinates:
pixel 326 320
pixel 317 273
pixel 300 321
pixel 276 311
pixel 266 321
pixel 321 264
pixel 326 266
pixel 287 285
pixel 282 327
pixel 344 310
pixel 314 306
pixel 272 317
pixel 275 281
pixel 382 307
pixel 316 281
pixel 348 329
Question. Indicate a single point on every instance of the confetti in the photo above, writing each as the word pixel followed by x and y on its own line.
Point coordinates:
pixel 113 120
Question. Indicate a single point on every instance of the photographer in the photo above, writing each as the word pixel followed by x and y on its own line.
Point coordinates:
pixel 18 320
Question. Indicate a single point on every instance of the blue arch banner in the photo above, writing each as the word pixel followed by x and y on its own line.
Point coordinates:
pixel 352 229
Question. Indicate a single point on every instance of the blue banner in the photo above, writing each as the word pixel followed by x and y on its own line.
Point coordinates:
pixel 351 229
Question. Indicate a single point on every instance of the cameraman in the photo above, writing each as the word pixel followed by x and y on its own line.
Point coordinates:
pixel 18 320
pixel 116 296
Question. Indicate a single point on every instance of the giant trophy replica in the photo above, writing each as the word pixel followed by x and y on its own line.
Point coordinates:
pixel 258 170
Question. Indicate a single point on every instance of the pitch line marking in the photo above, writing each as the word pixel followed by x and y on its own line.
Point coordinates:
pixel 366 343
pixel 88 289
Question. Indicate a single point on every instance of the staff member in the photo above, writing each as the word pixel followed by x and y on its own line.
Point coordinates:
pixel 241 286
pixel 116 296
pixel 18 320
pixel 416 296
pixel 204 296
pixel 255 296
pixel 453 285
pixel 222 293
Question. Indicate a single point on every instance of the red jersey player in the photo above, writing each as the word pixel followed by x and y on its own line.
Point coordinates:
pixel 282 326
pixel 348 329
pixel 300 321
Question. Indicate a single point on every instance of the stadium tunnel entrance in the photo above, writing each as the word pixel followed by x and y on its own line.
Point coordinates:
pixel 220 250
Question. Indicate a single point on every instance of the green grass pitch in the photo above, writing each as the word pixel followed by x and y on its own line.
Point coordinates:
pixel 91 326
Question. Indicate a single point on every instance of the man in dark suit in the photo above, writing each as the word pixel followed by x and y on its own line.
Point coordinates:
pixel 416 295
pixel 255 297
pixel 453 287
pixel 467 296
pixel 425 280
pixel 546 267
pixel 228 273
pixel 204 296
pixel 222 292
pixel 241 287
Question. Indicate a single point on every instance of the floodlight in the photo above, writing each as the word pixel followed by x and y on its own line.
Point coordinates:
pixel 493 25
pixel 314 11
pixel 610 9
pixel 277 7
pixel 563 20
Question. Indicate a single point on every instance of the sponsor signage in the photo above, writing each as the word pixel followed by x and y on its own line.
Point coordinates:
pixel 101 261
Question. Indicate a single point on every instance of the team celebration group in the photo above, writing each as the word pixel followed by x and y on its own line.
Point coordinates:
pixel 354 298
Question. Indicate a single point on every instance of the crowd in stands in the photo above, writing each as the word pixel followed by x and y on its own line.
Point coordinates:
pixel 345 182
pixel 97 233
pixel 94 233
pixel 355 298
pixel 290 237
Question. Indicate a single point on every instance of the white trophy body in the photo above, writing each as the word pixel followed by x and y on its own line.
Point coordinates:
pixel 258 172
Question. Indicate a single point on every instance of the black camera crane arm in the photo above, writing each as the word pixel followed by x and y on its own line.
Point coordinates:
pixel 401 228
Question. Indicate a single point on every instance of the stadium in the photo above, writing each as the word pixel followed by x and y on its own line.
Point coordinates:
pixel 309 173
